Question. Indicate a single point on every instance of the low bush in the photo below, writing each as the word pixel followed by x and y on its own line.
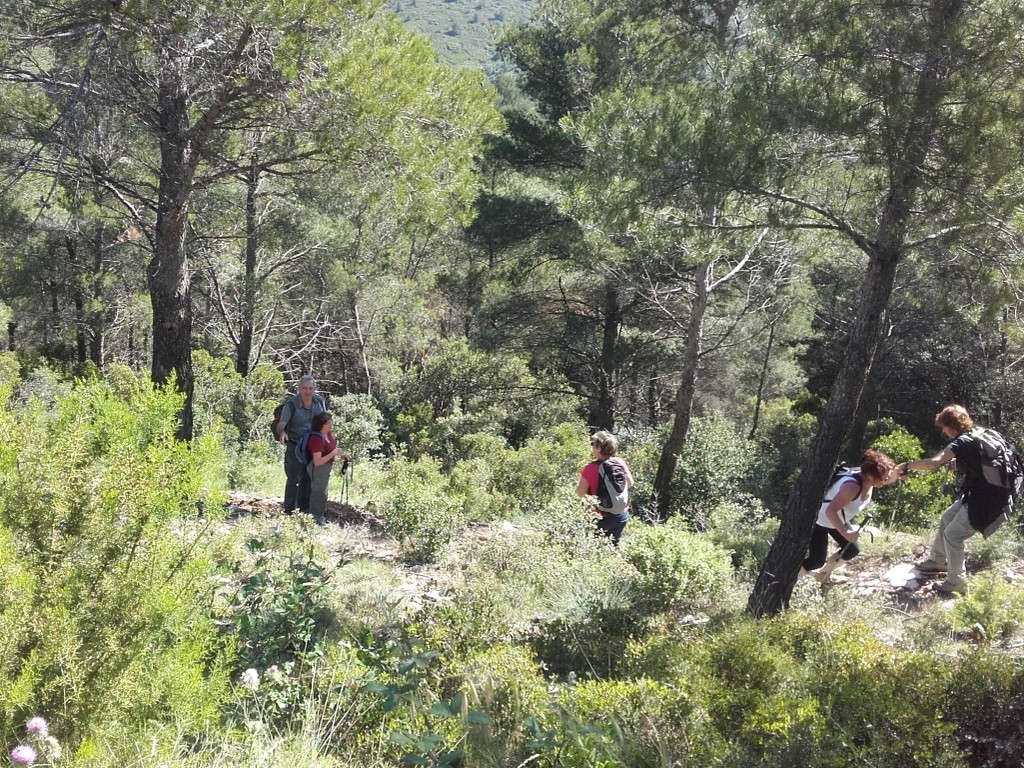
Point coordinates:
pixel 744 529
pixel 277 602
pixel 416 508
pixel 677 570
pixel 591 639
pixel 714 468
pixel 505 681
pixel 914 503
pixel 993 610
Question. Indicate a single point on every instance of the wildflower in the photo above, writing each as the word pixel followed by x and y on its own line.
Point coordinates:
pixel 251 679
pixel 53 749
pixel 23 754
pixel 38 727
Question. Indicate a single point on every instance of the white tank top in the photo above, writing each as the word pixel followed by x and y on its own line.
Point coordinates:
pixel 848 512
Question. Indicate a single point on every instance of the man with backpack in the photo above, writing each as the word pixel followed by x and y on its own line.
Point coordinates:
pixel 992 477
pixel 295 420
pixel 608 478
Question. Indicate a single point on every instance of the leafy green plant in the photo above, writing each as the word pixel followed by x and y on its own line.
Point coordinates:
pixel 590 639
pixel 106 522
pixel 993 610
pixel 430 729
pixel 714 466
pixel 279 606
pixel 744 529
pixel 417 510
pixel 677 569
pixel 913 503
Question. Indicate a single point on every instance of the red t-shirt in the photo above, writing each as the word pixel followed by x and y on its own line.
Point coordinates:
pixel 589 474
pixel 320 444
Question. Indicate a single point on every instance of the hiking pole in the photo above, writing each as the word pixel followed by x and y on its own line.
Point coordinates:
pixel 344 481
pixel 825 572
pixel 867 519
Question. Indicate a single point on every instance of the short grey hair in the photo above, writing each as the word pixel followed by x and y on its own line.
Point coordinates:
pixel 304 379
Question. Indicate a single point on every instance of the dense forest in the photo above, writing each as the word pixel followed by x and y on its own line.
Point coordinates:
pixel 750 238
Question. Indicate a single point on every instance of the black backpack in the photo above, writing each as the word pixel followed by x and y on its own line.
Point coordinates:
pixel 842 469
pixel 276 421
pixel 612 488
pixel 1001 464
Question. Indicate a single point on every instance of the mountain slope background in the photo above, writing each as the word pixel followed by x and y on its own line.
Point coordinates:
pixel 463 31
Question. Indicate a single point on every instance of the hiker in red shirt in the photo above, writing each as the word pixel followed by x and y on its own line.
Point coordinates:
pixel 608 479
pixel 322 448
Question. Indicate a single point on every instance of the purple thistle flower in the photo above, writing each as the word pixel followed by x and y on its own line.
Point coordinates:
pixel 23 754
pixel 38 726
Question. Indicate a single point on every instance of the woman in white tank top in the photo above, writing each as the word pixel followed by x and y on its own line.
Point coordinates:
pixel 847 497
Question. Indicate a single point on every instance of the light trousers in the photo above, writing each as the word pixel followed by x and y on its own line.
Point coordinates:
pixel 949 545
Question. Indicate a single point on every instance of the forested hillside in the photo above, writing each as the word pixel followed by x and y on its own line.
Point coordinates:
pixel 750 239
pixel 464 32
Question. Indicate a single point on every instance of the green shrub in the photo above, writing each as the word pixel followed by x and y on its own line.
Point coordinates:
pixel 357 424
pixel 654 723
pixel 236 407
pixel 105 519
pixel 536 473
pixel 255 467
pixel 783 442
pixel 278 603
pixel 993 610
pixel 590 640
pixel 984 700
pixel 505 682
pixel 912 504
pixel 416 508
pixel 677 569
pixel 743 529
pixel 714 467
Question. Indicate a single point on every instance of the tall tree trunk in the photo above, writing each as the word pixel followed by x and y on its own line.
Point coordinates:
pixel 683 410
pixel 762 379
pixel 168 274
pixel 78 299
pixel 778 575
pixel 243 355
pixel 98 315
pixel 602 412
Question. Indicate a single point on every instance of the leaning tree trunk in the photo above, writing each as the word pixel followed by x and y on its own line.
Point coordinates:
pixel 778 575
pixel 683 409
pixel 168 274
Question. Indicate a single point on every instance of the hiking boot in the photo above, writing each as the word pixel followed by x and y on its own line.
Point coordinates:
pixel 931 565
pixel 948 587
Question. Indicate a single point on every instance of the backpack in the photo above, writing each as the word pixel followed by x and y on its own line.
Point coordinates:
pixel 1001 465
pixel 842 469
pixel 302 447
pixel 612 488
pixel 276 421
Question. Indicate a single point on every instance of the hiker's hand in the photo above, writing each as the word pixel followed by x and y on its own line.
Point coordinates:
pixel 852 536
pixel 283 438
